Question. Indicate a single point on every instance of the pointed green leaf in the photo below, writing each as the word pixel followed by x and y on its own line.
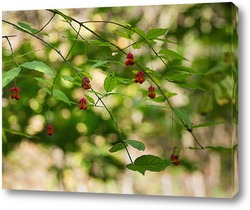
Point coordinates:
pixel 99 43
pixel 156 32
pixel 148 162
pixel 118 146
pixel 184 69
pixel 159 99
pixel 207 124
pixel 44 81
pixel 97 64
pixel 140 32
pixel 136 144
pixel 66 17
pixel 90 99
pixel 30 29
pixel 8 76
pixel 19 133
pixel 38 66
pixel 27 27
pixel 172 54
pixel 68 78
pixel 59 95
pixel 184 118
pixel 110 82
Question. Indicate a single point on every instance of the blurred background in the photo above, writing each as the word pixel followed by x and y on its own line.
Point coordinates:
pixel 77 157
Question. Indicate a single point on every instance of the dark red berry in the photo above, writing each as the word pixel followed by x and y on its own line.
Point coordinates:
pixel 86 83
pixel 130 55
pixel 50 129
pixel 83 104
pixel 129 62
pixel 151 90
pixel 15 93
pixel 151 95
pixel 140 77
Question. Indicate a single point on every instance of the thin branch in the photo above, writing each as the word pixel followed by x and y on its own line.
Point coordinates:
pixel 77 72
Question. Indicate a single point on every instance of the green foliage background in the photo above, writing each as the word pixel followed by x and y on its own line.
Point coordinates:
pixel 204 86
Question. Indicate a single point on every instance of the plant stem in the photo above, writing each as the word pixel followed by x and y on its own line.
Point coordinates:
pixel 77 72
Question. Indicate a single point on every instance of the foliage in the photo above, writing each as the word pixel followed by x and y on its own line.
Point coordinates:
pixel 52 88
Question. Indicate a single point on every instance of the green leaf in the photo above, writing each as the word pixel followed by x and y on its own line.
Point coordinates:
pixel 184 118
pixel 156 32
pixel 59 95
pixel 124 81
pixel 118 146
pixel 97 64
pixel 136 144
pixel 43 81
pixel 184 69
pixel 38 66
pixel 148 162
pixel 126 34
pixel 68 78
pixel 30 29
pixel 154 73
pixel 99 43
pixel 90 99
pixel 19 133
pixel 67 18
pixel 159 99
pixel 27 27
pixel 172 54
pixel 207 124
pixel 177 77
pixel 140 32
pixel 8 76
pixel 110 82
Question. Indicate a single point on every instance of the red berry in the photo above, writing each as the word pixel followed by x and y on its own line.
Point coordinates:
pixel 130 56
pixel 151 89
pixel 140 77
pixel 129 62
pixel 50 129
pixel 86 83
pixel 17 97
pixel 151 95
pixel 83 104
pixel 15 93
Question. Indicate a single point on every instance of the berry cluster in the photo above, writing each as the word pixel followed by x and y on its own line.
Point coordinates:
pixel 151 90
pixel 174 157
pixel 140 76
pixel 15 93
pixel 130 60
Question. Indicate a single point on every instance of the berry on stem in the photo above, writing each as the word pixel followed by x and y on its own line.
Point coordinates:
pixel 151 90
pixel 83 104
pixel 140 77
pixel 130 60
pixel 86 83
pixel 174 157
pixel 50 129
pixel 15 93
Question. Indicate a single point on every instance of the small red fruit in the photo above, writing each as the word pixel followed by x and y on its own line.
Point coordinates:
pixel 15 93
pixel 83 104
pixel 151 90
pixel 130 55
pixel 174 157
pixel 140 77
pixel 50 129
pixel 151 95
pixel 86 83
pixel 129 62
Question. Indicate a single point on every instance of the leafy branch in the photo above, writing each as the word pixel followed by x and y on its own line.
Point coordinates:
pixel 181 116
